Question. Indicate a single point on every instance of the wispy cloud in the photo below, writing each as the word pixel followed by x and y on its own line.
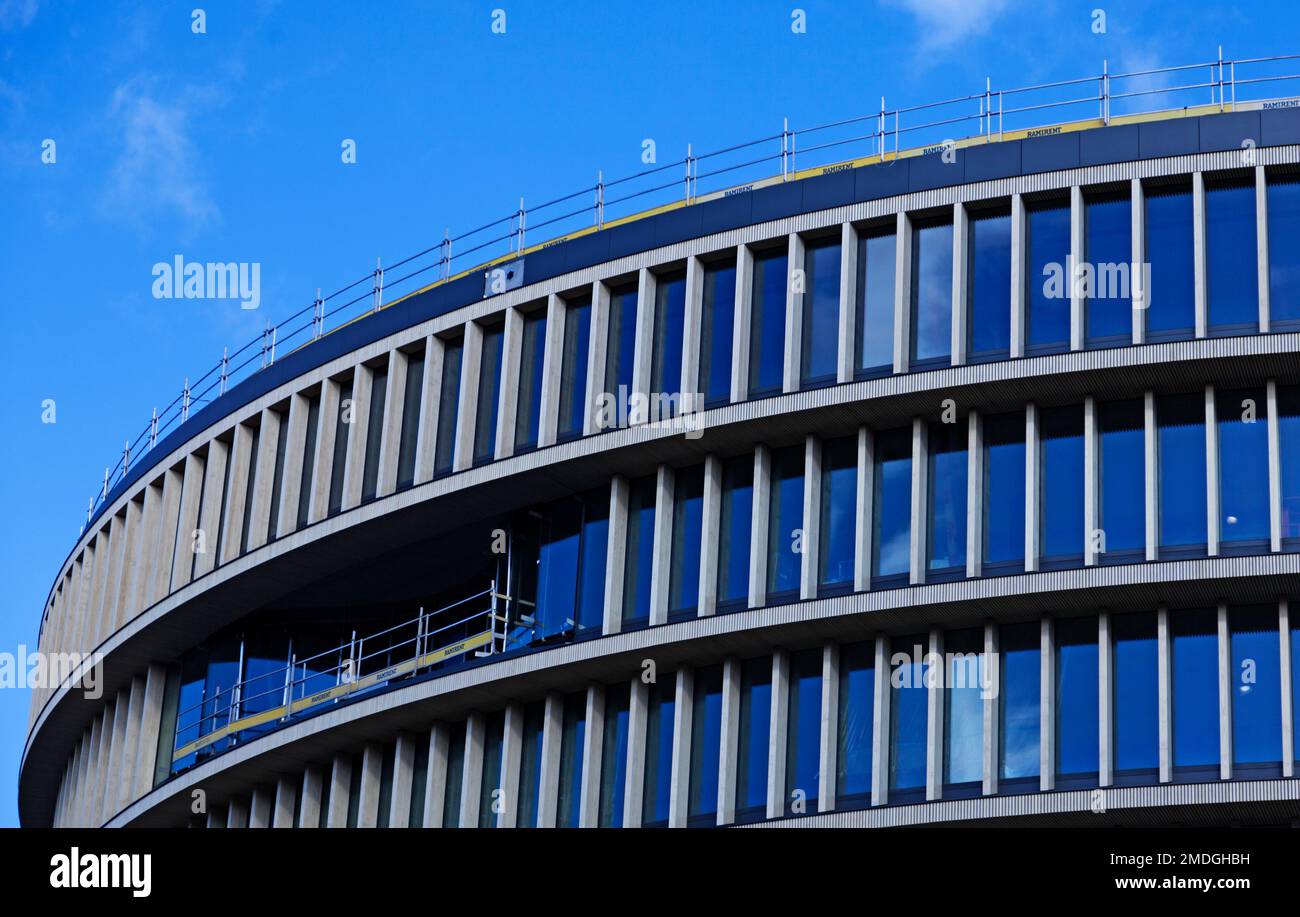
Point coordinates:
pixel 948 22
pixel 17 14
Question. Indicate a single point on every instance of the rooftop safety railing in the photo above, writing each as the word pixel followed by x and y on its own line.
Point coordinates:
pixel 984 116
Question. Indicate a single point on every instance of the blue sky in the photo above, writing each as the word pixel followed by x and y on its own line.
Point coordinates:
pixel 225 146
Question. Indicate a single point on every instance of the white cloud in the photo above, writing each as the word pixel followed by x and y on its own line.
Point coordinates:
pixel 948 22
pixel 17 14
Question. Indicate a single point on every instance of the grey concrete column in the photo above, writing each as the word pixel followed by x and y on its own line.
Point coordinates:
pixel 1047 707
pixel 990 696
pixel 214 480
pixel 1092 485
pixel 1032 494
pixel 644 346
pixel 390 435
pixel 354 469
pixel 974 494
pixel 693 319
pixel 880 725
pixel 259 812
pixel 426 440
pixel 729 741
pixel 758 530
pixel 1105 702
pixel 634 784
pixel 934 718
pixel 1164 694
pixel 165 549
pixel 902 293
pixel 777 736
pixel 1261 248
pixel 1225 694
pixel 85 592
pixel 848 326
pixel 1140 298
pixel 741 323
pixel 1198 254
pixel 920 499
pixel 104 763
pixel 710 534
pixel 680 784
pixel 313 783
pixel 1019 271
pixel 471 365
pixel 286 795
pixel 548 791
pixel 508 387
pixel 592 747
pixel 142 569
pixel 117 572
pixel 399 808
pixel 150 726
pixel 340 791
pixel 294 452
pixel 268 443
pixel 1274 469
pixel 960 272
pixel 435 778
pixel 512 738
pixel 130 744
pixel 810 557
pixel 552 372
pixel 472 773
pixel 828 768
pixel 863 518
pixel 84 775
pixel 616 555
pixel 191 494
pixel 1151 475
pixel 1211 474
pixel 1284 670
pixel 794 305
pixel 372 766
pixel 1078 256
pixel 232 525
pixel 662 551
pixel 597 340
pixel 92 623
pixel 237 813
pixel 323 463
pixel 119 776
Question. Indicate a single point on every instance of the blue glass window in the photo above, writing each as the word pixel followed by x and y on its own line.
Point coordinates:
pixel 620 340
pixel 767 323
pixel 1019 694
pixel 755 728
pixel 988 285
pixel 892 507
pixel 338 465
pixel 640 552
pixel 1180 426
pixel 410 433
pixel 931 294
pixel 874 346
pixel 528 409
pixel 1135 697
pixel 1288 425
pixel 661 706
pixel 1242 418
pixel 305 489
pixel 558 553
pixel 684 572
pixel 803 732
pixel 490 779
pixel 572 737
pixel 455 778
pixel 573 375
pixel 946 538
pixel 1256 690
pixel 963 711
pixel 613 755
pixel 1284 252
pixel 1195 636
pixel 1123 480
pixel 670 320
pixel 1047 299
pixel 1061 478
pixel 839 500
pixel 819 345
pixel 908 712
pixel 591 563
pixel 530 765
pixel 1232 286
pixel 374 435
pixel 489 378
pixel 737 519
pixel 1109 240
pixel 1171 301
pixel 717 330
pixel 1077 716
pixel 856 714
pixel 785 523
pixel 1004 493
pixel 706 744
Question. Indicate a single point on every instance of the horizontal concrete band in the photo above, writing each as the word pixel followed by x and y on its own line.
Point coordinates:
pixel 757 631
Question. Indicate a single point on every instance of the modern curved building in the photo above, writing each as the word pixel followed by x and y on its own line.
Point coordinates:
pixel 832 500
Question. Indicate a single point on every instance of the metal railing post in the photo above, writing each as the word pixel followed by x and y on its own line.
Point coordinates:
pixel 445 259
pixel 379 284
pixel 185 401
pixel 275 330
pixel 523 219
pixel 225 367
pixel 153 429
pixel 104 492
pixel 317 316
pixel 126 458
pixel 686 181
pixel 600 199
pixel 785 133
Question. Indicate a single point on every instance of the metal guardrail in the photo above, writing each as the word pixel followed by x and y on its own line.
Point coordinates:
pixel 984 116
